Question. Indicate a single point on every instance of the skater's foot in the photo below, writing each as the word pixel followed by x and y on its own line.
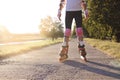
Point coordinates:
pixel 63 53
pixel 63 58
pixel 83 58
pixel 82 52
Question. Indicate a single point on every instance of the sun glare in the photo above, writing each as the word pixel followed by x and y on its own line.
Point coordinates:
pixel 23 16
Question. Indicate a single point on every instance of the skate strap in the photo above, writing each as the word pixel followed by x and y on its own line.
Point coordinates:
pixel 65 46
pixel 81 48
pixel 63 54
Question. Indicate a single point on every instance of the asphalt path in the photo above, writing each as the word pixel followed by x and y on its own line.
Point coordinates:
pixel 43 64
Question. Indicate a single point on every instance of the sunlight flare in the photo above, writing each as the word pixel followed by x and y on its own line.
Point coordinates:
pixel 23 16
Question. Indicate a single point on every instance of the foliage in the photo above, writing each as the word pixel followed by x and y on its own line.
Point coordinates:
pixel 51 28
pixel 109 47
pixel 103 19
pixel 4 30
pixel 16 49
pixel 4 33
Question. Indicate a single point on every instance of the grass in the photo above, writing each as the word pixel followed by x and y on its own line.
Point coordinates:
pixel 19 37
pixel 9 50
pixel 111 48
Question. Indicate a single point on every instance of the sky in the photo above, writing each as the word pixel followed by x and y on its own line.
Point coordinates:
pixel 23 16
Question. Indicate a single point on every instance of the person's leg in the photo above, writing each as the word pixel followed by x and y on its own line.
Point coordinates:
pixel 79 30
pixel 68 23
pixel 79 34
pixel 67 34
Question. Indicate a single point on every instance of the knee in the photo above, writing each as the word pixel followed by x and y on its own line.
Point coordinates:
pixel 67 32
pixel 79 32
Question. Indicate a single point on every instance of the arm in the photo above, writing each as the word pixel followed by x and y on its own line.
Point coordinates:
pixel 84 8
pixel 83 5
pixel 61 6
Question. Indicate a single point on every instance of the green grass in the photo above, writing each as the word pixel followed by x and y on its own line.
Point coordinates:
pixel 111 48
pixel 9 50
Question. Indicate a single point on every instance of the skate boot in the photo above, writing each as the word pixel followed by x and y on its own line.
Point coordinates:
pixel 82 52
pixel 63 53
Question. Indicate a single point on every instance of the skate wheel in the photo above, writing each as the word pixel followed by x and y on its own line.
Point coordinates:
pixel 63 58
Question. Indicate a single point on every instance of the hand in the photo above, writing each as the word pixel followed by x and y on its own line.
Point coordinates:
pixel 86 14
pixel 59 15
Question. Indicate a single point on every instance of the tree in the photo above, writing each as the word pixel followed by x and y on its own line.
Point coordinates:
pixel 50 28
pixel 104 19
pixel 4 33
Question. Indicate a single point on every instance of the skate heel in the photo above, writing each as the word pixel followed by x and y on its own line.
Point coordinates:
pixel 63 53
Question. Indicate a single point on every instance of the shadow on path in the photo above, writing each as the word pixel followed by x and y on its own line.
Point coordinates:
pixel 104 65
pixel 94 69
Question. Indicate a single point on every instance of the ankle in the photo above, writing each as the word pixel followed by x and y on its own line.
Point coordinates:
pixel 81 43
pixel 81 46
pixel 64 44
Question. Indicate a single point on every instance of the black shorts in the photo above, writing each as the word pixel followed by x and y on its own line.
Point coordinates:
pixel 70 15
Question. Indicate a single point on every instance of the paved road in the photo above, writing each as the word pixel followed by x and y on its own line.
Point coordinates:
pixel 43 64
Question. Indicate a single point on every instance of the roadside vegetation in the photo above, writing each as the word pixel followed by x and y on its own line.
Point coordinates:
pixel 51 28
pixel 15 49
pixel 109 47
pixel 103 22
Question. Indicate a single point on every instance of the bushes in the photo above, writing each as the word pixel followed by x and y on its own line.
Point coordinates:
pixel 98 31
pixel 103 22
